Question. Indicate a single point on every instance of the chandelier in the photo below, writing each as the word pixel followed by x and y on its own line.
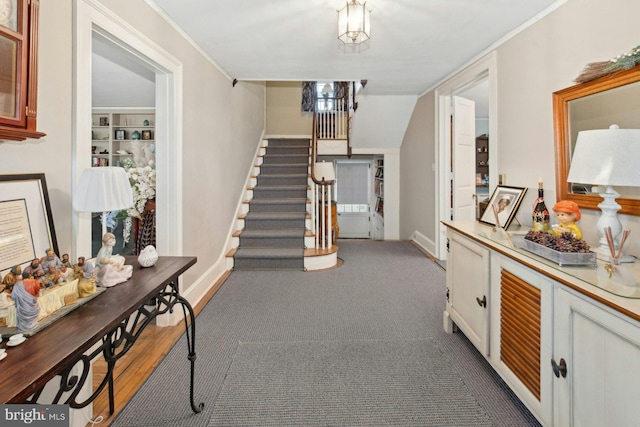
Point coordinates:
pixel 354 23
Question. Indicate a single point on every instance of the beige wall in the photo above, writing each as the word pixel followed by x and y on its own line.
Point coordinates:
pixel 417 198
pixel 284 116
pixel 540 60
pixel 222 128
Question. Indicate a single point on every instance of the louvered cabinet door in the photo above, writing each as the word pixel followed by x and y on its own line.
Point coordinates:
pixel 468 289
pixel 520 306
pixel 522 333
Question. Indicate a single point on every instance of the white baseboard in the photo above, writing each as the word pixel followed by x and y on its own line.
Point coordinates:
pixel 424 242
pixel 196 292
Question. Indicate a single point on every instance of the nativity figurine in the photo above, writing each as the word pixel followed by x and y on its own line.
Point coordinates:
pixel 33 270
pixel 84 272
pixel 50 260
pixel 25 296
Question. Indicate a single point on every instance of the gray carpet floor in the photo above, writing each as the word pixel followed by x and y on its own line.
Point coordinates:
pixel 359 345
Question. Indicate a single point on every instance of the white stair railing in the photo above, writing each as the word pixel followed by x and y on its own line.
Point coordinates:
pixel 322 178
pixel 332 125
pixel 323 216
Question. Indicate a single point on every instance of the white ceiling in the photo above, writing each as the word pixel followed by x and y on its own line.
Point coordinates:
pixel 119 79
pixel 414 43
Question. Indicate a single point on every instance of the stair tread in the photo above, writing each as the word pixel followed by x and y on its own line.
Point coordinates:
pixel 281 165
pixel 285 175
pixel 237 233
pixel 280 187
pixel 273 232
pixel 276 215
pixel 279 200
pixel 269 252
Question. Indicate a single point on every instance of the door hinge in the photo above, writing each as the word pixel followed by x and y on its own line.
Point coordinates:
pixel 447 294
pixel 447 245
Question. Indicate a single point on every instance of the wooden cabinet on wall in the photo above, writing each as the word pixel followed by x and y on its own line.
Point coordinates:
pixel 561 338
pixel 19 69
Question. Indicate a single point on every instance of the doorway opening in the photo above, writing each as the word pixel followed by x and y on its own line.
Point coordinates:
pixel 353 196
pixel 92 18
pixel 122 135
pixel 477 84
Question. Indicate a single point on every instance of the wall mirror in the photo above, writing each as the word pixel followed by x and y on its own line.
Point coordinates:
pixel 597 104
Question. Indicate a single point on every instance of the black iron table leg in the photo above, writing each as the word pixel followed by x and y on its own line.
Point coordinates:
pixel 117 343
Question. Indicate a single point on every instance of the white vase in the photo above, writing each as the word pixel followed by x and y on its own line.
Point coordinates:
pixel 148 256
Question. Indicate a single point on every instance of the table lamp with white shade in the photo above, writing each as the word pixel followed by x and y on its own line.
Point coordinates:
pixel 103 189
pixel 607 158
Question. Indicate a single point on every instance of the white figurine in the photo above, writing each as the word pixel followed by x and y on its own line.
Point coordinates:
pixel 110 269
pixel 148 256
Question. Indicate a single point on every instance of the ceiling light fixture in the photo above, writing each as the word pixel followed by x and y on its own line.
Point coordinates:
pixel 354 23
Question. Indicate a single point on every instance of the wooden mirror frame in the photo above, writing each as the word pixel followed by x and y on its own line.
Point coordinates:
pixel 561 100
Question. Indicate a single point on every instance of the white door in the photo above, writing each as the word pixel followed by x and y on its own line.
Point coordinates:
pixel 352 196
pixel 463 164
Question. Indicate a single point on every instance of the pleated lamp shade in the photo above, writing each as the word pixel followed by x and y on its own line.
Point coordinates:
pixel 323 171
pixel 606 157
pixel 103 189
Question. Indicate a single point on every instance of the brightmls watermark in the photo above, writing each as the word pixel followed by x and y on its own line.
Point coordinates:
pixel 34 415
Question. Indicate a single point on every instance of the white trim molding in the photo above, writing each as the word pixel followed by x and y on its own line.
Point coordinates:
pixel 91 16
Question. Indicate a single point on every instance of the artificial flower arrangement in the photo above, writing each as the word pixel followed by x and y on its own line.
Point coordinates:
pixel 143 187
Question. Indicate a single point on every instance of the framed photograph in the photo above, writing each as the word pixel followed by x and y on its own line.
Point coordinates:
pixel 146 134
pixel 27 224
pixel 120 134
pixel 503 205
pixel 104 121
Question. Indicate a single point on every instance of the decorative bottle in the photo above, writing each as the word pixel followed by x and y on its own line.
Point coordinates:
pixel 540 212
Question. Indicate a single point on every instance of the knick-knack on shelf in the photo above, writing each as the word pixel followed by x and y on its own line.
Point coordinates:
pixel 148 256
pixel 568 214
pixel 540 212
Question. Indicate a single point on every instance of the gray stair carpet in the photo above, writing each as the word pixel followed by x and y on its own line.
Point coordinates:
pixel 274 227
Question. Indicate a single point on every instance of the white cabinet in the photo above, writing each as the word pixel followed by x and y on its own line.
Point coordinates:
pixel 560 337
pixel 121 134
pixel 600 350
pixel 468 290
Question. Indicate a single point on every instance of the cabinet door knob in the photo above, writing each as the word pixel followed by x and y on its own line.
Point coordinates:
pixel 559 369
pixel 482 302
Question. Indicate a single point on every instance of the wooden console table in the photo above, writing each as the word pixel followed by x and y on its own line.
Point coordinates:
pixel 109 325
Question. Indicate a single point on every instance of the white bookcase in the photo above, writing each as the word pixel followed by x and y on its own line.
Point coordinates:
pixel 377 216
pixel 118 133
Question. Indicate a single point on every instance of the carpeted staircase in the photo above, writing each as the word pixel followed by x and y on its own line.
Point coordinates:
pixel 274 227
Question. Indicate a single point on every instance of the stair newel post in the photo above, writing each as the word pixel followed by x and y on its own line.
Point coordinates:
pixel 329 222
pixel 314 211
pixel 323 222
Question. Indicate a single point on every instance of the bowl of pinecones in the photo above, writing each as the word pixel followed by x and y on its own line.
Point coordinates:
pixel 564 249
